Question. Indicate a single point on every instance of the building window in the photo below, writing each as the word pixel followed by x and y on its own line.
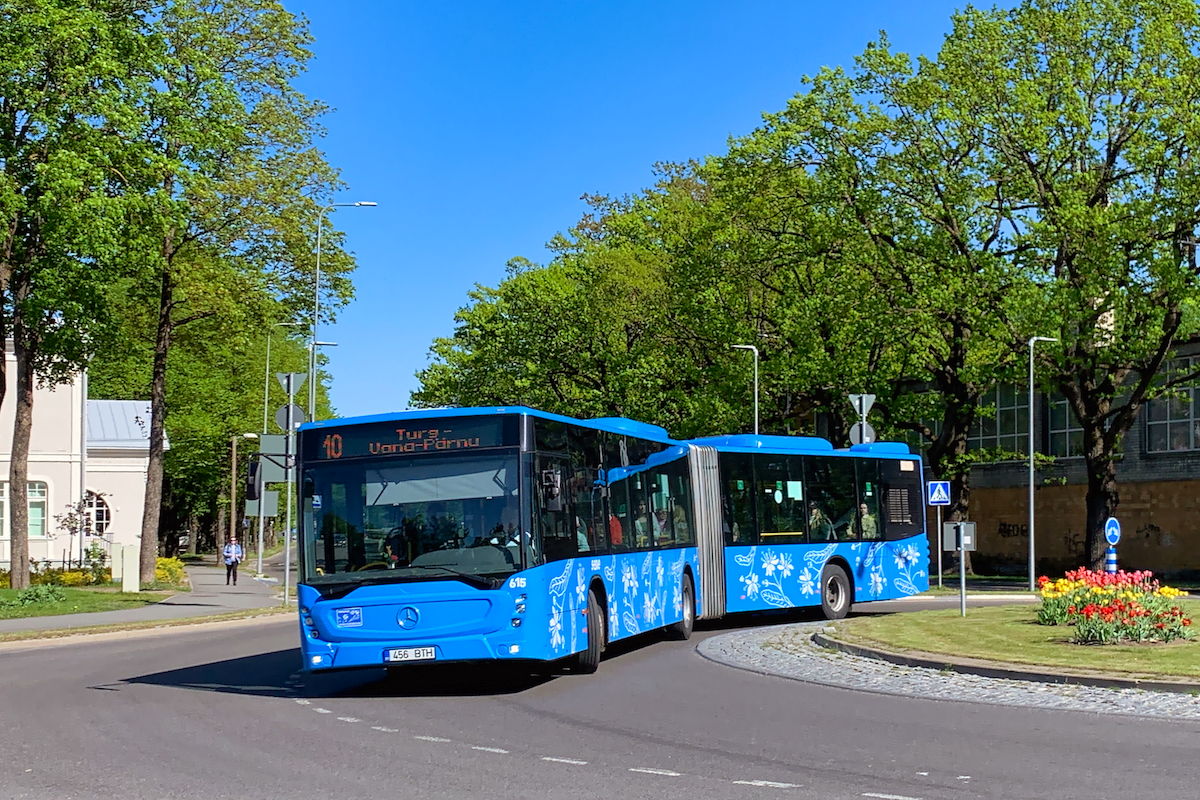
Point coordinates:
pixel 1171 421
pixel 99 515
pixel 1066 434
pixel 1007 428
pixel 38 496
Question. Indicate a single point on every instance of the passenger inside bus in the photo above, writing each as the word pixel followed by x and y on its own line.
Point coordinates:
pixel 867 523
pixel 820 529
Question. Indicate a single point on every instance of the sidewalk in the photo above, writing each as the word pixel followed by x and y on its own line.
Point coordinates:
pixel 209 596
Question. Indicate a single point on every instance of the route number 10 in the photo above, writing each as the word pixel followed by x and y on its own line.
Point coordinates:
pixel 333 446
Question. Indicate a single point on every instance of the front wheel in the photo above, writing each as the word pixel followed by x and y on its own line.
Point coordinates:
pixel 835 592
pixel 682 630
pixel 588 661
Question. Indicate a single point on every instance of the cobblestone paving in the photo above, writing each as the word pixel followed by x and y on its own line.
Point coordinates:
pixel 788 651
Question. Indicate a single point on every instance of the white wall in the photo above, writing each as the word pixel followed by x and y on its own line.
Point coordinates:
pixel 54 457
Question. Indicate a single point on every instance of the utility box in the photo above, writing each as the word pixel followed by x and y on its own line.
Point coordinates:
pixel 950 532
pixel 129 568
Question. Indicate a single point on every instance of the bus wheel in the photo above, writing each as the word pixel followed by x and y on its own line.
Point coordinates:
pixel 588 661
pixel 682 630
pixel 835 592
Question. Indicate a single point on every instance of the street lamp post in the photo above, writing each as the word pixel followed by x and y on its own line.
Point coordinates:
pixel 312 356
pixel 233 479
pixel 754 350
pixel 1032 571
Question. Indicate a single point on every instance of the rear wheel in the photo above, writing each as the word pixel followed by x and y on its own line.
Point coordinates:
pixel 835 592
pixel 682 630
pixel 588 661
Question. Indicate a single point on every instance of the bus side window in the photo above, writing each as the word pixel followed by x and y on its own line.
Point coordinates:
pixel 553 516
pixel 737 498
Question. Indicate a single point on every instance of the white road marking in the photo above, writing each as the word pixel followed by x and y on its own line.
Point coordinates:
pixel 923 773
pixel 890 796
pixel 322 710
pixel 769 784
pixel 964 777
pixel 385 730
pixel 304 702
pixel 564 760
pixel 491 750
pixel 350 719
pixel 664 772
pixel 432 739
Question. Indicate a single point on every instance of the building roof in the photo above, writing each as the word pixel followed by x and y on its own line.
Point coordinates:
pixel 118 425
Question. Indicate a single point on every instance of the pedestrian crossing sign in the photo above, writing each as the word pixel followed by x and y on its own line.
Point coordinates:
pixel 939 493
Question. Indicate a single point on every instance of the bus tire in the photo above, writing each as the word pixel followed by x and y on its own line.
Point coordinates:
pixel 835 592
pixel 588 661
pixel 682 630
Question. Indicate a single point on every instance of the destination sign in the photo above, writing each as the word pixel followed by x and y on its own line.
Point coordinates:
pixel 410 437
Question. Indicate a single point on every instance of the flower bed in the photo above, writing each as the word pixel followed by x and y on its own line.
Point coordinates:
pixel 1108 608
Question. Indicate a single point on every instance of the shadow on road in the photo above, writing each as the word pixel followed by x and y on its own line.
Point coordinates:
pixel 446 680
pixel 277 674
pixel 262 675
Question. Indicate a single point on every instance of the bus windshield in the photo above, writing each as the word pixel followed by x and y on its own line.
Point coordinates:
pixel 413 518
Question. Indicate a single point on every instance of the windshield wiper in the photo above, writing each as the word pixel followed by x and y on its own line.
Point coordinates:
pixel 339 589
pixel 472 579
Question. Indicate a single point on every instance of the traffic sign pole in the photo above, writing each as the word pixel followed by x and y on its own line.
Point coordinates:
pixel 938 495
pixel 962 570
pixel 939 527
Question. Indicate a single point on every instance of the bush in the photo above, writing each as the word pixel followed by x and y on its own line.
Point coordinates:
pixel 1108 608
pixel 43 593
pixel 169 570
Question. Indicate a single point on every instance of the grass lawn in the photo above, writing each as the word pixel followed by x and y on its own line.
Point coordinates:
pixel 1011 634
pixel 79 601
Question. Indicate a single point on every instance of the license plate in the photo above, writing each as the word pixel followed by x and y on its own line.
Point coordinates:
pixel 410 654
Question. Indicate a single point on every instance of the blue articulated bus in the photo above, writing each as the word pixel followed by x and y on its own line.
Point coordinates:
pixel 511 534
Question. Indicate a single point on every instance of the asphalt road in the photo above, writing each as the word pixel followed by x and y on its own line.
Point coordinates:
pixel 224 713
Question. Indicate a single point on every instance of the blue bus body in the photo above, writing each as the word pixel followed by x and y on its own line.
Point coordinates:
pixel 382 582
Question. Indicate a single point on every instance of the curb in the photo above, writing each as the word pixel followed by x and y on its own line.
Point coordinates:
pixel 62 637
pixel 992 669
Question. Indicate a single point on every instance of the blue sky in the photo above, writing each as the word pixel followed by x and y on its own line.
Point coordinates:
pixel 476 126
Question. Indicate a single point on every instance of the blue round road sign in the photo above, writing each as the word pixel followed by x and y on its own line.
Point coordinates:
pixel 1112 530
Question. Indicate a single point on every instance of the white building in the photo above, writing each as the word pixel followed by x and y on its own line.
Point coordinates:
pixel 112 466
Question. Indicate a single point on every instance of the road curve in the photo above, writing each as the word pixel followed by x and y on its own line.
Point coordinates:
pixel 224 713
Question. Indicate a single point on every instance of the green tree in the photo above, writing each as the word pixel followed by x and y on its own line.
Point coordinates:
pixel 64 108
pixel 231 177
pixel 1088 114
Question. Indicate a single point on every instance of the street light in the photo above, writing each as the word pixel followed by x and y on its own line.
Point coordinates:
pixel 266 400
pixel 754 350
pixel 233 479
pixel 312 356
pixel 1032 571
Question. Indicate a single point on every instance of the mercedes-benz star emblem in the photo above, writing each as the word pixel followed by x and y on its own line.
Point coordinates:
pixel 408 617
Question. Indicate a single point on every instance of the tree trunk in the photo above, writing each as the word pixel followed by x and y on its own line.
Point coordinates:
pixel 221 530
pixel 193 526
pixel 18 468
pixel 158 416
pixel 1103 497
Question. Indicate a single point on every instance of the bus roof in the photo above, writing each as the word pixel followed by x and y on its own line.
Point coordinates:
pixel 631 427
pixel 799 445
pixel 734 443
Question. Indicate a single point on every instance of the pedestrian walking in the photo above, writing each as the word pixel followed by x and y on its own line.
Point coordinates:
pixel 233 556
